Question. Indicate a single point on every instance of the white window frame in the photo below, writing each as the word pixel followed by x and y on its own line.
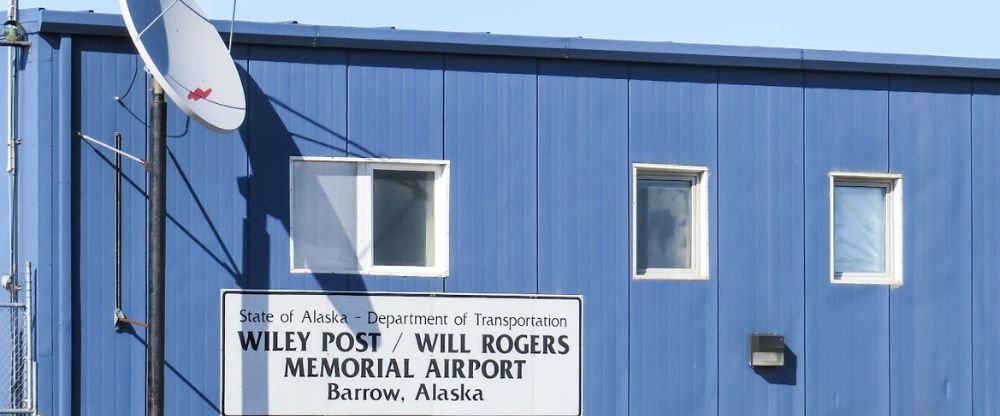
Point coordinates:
pixel 698 176
pixel 364 248
pixel 893 184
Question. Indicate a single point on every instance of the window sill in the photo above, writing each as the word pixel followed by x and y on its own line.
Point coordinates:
pixel 857 280
pixel 382 271
pixel 670 276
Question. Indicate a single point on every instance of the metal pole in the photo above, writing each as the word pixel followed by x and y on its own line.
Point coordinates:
pixel 12 10
pixel 118 225
pixel 12 143
pixel 156 271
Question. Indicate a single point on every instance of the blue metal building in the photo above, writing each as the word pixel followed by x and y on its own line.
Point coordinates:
pixel 541 135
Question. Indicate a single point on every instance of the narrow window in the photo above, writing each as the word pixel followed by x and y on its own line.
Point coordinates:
pixel 381 217
pixel 669 222
pixel 866 228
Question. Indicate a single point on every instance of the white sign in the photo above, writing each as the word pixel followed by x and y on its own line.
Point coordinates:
pixel 323 353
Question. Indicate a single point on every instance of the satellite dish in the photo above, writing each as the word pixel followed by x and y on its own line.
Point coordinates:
pixel 184 52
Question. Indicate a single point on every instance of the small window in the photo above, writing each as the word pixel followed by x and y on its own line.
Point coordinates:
pixel 866 224
pixel 669 222
pixel 366 216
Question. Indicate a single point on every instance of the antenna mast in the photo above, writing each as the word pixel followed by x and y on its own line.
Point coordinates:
pixel 156 274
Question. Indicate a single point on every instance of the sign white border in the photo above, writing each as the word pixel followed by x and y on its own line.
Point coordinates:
pixel 222 343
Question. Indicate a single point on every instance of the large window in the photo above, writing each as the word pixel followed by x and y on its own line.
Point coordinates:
pixel 669 222
pixel 384 217
pixel 866 228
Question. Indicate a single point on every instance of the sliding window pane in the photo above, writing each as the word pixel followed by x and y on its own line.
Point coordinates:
pixel 403 217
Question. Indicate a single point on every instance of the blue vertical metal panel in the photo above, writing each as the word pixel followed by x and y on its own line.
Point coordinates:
pixel 490 126
pixel 43 91
pixel 540 155
pixel 760 238
pixel 583 214
pixel 985 246
pixel 205 234
pixel 106 69
pixel 396 105
pixel 62 376
pixel 847 326
pixel 61 304
pixel 673 325
pixel 296 105
pixel 48 76
pixel 395 109
pixel 930 328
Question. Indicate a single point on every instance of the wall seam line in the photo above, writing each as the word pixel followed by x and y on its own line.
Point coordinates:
pixel 888 163
pixel 538 184
pixel 444 138
pixel 805 271
pixel 972 251
pixel 628 245
pixel 347 103
pixel 718 245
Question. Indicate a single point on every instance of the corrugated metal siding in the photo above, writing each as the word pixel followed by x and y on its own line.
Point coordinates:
pixel 59 303
pixel 395 109
pixel 931 330
pixel 985 246
pixel 41 91
pixel 541 154
pixel 104 70
pixel 847 326
pixel 296 105
pixel 673 120
pixel 490 139
pixel 582 214
pixel 760 237
pixel 206 213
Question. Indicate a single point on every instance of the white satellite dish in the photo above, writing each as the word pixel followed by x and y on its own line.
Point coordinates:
pixel 184 52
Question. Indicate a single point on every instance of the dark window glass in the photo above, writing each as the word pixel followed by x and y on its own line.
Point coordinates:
pixel 403 217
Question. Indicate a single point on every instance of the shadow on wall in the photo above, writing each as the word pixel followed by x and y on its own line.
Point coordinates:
pixel 266 193
pixel 128 329
pixel 269 144
pixel 784 375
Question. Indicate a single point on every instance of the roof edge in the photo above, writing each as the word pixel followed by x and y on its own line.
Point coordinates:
pixel 298 35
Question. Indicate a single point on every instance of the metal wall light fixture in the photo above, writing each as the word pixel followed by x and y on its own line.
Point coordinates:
pixel 767 350
pixel 13 34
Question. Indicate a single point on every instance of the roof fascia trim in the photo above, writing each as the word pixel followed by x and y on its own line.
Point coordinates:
pixel 296 35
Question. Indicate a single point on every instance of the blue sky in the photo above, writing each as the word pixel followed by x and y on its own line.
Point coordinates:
pixel 967 28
